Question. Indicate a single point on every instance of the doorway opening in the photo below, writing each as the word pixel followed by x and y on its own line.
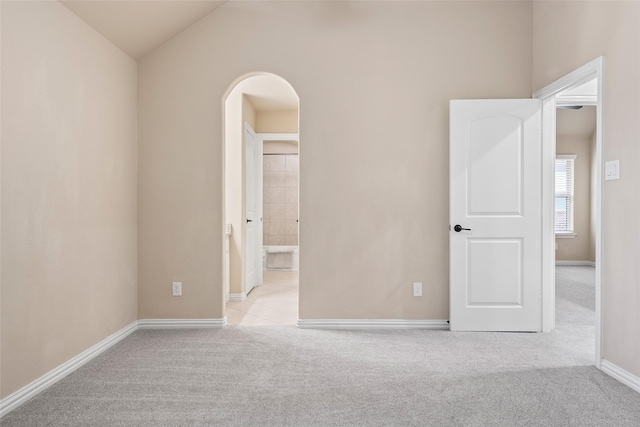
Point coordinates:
pixel 261 193
pixel 575 218
pixel 573 149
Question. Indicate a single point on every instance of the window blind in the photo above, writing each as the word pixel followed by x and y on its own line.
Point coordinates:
pixel 564 192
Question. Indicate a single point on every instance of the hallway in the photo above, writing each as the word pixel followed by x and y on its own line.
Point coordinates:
pixel 273 303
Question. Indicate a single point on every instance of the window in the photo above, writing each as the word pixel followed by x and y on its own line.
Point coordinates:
pixel 564 194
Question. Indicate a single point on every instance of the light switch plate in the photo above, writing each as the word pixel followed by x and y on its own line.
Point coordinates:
pixel 417 289
pixel 177 289
pixel 612 170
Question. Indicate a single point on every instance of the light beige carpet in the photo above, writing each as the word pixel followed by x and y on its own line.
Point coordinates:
pixel 283 376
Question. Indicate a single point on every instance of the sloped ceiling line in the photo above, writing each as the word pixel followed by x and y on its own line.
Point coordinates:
pixel 138 27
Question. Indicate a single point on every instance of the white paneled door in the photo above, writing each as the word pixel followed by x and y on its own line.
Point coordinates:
pixel 495 215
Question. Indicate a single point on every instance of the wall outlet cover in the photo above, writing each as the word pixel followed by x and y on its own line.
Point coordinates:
pixel 177 289
pixel 417 289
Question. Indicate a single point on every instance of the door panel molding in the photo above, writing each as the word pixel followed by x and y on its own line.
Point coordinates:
pixel 495 196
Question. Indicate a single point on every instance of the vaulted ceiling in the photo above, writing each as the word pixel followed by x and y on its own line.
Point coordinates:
pixel 139 26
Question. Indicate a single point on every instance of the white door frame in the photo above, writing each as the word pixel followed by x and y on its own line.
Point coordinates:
pixel 257 241
pixel 594 69
pixel 260 208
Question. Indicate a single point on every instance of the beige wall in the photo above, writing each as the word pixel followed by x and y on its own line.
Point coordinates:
pixel 284 121
pixel 68 190
pixel 577 248
pixel 367 73
pixel 566 36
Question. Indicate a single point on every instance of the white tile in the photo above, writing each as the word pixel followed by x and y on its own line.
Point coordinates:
pixel 276 211
pixel 291 240
pixel 276 195
pixel 266 163
pixel 291 211
pixel 277 163
pixel 291 227
pixel 273 303
pixel 291 163
pixel 291 179
pixel 291 195
pixel 277 227
pixel 276 179
pixel 277 239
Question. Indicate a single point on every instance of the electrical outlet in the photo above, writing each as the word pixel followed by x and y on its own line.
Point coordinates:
pixel 417 289
pixel 177 289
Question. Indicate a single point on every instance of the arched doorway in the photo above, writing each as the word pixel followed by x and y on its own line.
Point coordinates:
pixel 261 176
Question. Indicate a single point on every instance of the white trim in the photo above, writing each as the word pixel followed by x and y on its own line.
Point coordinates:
pixel 626 378
pixel 594 69
pixel 19 397
pixel 372 324
pixel 548 214
pixel 571 262
pixel 22 395
pixel 181 323
pixel 565 235
pixel 260 210
pixel 576 100
pixel 279 136
pixel 237 297
pixel 575 78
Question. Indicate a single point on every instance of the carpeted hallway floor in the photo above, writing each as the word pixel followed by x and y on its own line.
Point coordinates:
pixel 279 375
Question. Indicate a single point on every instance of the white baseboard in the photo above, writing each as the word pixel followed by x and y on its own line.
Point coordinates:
pixel 621 375
pixel 237 297
pixel 19 397
pixel 589 263
pixel 372 324
pixel 181 323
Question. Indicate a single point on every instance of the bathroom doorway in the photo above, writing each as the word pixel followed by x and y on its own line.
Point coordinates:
pixel 261 269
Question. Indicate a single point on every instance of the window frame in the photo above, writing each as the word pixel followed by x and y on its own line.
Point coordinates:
pixel 569 193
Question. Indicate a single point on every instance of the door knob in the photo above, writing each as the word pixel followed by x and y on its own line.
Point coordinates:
pixel 249 220
pixel 458 228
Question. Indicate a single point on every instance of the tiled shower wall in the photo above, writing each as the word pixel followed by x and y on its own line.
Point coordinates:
pixel 280 198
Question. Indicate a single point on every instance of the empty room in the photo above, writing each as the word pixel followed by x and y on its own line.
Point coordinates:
pixel 319 213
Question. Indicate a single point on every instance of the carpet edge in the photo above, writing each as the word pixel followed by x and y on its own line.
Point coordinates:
pixel 37 386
